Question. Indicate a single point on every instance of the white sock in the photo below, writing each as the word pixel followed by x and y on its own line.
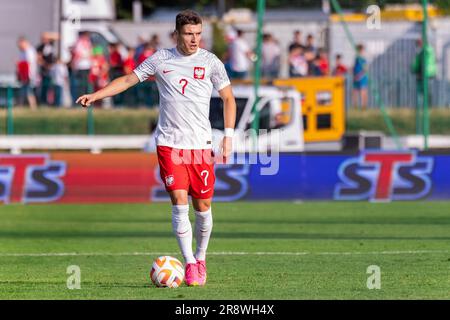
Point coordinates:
pixel 183 231
pixel 203 228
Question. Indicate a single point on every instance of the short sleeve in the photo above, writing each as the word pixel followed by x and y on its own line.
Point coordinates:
pixel 150 65
pixel 219 76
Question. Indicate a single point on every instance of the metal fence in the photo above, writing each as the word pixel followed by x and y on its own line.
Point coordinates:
pixel 390 53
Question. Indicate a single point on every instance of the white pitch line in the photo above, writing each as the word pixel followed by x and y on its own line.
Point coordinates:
pixel 120 254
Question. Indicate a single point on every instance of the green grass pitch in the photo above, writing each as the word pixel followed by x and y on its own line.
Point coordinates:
pixel 258 251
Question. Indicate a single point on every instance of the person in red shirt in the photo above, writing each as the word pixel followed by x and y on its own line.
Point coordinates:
pixel 149 50
pixel 98 75
pixel 147 93
pixel 27 72
pixel 340 70
pixel 23 72
pixel 129 65
pixel 116 69
pixel 324 64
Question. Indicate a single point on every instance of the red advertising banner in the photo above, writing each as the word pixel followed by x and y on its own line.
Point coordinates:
pixel 77 178
pixel 134 178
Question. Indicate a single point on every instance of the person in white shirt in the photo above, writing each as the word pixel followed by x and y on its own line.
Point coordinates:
pixel 59 75
pixel 271 56
pixel 186 76
pixel 240 57
pixel 28 56
pixel 82 62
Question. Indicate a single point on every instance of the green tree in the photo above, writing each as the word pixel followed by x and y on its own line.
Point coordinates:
pixel 220 46
pixel 124 7
pixel 444 5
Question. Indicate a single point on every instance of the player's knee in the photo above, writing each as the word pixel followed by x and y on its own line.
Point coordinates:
pixel 202 206
pixel 179 199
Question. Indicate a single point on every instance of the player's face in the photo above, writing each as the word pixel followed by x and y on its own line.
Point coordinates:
pixel 189 38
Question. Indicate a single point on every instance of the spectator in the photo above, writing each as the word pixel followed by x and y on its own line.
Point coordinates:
pixel 316 70
pixel 129 64
pixel 81 64
pixel 46 55
pixel 115 69
pixel 173 38
pixel 298 66
pixel 115 61
pixel 310 57
pixel 360 79
pixel 240 57
pixel 147 90
pixel 430 71
pixel 59 77
pixel 27 72
pixel 340 69
pixel 271 54
pixel 297 42
pixel 324 64
pixel 147 53
pixel 140 47
pixel 310 46
pixel 155 42
pixel 99 73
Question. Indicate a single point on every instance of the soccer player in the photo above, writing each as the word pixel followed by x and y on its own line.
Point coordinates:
pixel 186 76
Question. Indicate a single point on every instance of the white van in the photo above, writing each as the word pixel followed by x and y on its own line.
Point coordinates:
pixel 280 125
pixel 65 18
pixel 94 16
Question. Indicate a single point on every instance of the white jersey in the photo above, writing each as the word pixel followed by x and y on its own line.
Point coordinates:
pixel 185 85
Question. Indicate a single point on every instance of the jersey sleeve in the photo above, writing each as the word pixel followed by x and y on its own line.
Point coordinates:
pixel 150 65
pixel 219 76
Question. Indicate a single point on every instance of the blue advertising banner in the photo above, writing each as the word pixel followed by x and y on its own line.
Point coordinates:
pixel 135 177
pixel 368 176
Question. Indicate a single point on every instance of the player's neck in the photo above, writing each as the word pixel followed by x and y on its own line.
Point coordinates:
pixel 184 53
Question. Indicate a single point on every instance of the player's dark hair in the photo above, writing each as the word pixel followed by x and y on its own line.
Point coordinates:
pixel 187 17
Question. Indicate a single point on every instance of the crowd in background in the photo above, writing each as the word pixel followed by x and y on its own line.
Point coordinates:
pixel 46 80
pixel 305 59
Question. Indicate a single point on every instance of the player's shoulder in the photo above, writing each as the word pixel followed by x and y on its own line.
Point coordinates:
pixel 164 54
pixel 208 57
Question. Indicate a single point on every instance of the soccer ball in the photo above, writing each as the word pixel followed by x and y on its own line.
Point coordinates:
pixel 167 272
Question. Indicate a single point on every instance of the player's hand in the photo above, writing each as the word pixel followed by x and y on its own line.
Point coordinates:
pixel 86 100
pixel 227 148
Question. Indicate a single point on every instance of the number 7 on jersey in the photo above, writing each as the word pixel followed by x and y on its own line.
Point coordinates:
pixel 184 84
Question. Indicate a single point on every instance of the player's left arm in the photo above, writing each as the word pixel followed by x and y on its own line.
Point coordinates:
pixel 229 116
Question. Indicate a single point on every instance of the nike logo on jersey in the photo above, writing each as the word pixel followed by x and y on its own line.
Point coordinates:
pixel 168 71
pixel 205 191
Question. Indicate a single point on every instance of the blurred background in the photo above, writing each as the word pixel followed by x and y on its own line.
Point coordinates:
pixel 346 168
pixel 333 76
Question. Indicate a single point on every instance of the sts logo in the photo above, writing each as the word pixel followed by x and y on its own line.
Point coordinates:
pixel 385 176
pixel 30 178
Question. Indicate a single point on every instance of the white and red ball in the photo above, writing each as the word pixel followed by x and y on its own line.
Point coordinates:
pixel 167 272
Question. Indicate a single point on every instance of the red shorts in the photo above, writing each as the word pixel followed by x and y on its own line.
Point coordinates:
pixel 190 170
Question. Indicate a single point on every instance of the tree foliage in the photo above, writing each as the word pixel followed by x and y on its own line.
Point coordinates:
pixel 124 7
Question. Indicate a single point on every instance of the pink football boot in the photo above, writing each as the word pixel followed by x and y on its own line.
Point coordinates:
pixel 191 275
pixel 201 265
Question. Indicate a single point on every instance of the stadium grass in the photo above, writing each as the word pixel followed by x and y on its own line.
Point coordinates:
pixel 261 250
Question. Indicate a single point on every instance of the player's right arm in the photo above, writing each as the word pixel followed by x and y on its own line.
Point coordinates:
pixel 117 86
